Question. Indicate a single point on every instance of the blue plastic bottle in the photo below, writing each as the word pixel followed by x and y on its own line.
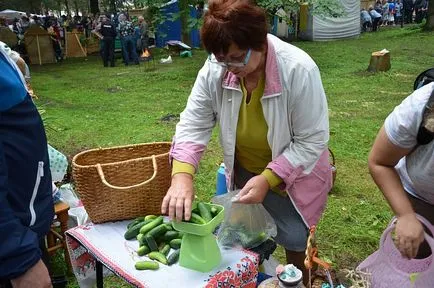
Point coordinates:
pixel 221 181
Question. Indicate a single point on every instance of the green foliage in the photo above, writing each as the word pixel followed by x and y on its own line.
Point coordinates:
pixel 331 8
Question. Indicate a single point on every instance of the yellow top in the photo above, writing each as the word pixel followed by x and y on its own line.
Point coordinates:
pixel 251 149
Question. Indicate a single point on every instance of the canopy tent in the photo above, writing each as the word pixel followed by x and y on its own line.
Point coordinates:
pixel 39 45
pixel 318 28
pixel 11 14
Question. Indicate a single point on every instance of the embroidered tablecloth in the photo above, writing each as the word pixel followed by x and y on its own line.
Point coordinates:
pixel 238 268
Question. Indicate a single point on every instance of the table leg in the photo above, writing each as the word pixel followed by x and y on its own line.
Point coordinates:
pixel 99 276
pixel 63 219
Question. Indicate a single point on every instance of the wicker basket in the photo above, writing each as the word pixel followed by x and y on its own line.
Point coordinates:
pixel 122 182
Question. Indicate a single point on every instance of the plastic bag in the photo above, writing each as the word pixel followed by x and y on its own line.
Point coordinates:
pixel 245 225
pixel 77 214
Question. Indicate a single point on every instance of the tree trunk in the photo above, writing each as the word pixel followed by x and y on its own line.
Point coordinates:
pixel 113 6
pixel 185 13
pixel 76 7
pixel 430 18
pixel 67 7
pixel 94 7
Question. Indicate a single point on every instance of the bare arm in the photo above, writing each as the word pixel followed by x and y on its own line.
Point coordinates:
pixel 382 160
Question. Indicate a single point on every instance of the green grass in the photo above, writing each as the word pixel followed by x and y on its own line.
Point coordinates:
pixel 88 106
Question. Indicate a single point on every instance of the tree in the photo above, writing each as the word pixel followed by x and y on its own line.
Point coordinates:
pixel 429 25
pixel 327 8
pixel 94 7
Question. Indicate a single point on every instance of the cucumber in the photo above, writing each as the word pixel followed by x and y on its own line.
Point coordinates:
pixel 197 219
pixel 175 243
pixel 151 243
pixel 158 231
pixel 204 212
pixel 147 265
pixel 135 221
pixel 161 245
pixel 165 250
pixel 173 258
pixel 139 237
pixel 214 211
pixel 158 256
pixel 255 240
pixel 147 217
pixel 151 225
pixel 169 226
pixel 134 230
pixel 169 235
pixel 143 250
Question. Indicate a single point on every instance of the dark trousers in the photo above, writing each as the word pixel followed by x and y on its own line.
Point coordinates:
pixel 408 15
pixel 427 211
pixel 375 23
pixel 5 283
pixel 129 50
pixel 108 52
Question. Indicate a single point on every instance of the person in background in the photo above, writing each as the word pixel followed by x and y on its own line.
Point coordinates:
pixel 391 7
pixel 126 32
pixel 385 19
pixel 398 12
pixel 420 8
pixel 143 34
pixel 378 7
pixel 365 19
pixel 408 11
pixel 376 18
pixel 270 106
pixel 26 203
pixel 107 33
pixel 24 24
pixel 403 170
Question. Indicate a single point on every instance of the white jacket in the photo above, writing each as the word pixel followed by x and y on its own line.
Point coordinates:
pixel 295 109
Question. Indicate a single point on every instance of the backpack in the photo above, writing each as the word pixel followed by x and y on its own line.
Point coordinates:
pixel 425 136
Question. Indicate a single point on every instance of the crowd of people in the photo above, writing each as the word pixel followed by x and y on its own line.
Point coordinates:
pixel 134 34
pixel 393 12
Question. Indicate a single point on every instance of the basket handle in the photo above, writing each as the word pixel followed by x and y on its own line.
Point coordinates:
pixel 104 181
pixel 333 157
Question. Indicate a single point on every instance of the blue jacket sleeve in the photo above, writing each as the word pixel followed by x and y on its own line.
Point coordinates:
pixel 19 245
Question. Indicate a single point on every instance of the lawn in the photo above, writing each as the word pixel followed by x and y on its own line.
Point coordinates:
pixel 89 106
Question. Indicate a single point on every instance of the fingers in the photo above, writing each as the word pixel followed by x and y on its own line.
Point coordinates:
pixel 408 247
pixel 187 209
pixel 166 200
pixel 179 209
pixel 172 208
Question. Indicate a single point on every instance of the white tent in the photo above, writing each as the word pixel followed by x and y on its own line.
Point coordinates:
pixel 11 14
pixel 318 28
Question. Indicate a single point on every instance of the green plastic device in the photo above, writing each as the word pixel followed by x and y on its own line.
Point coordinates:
pixel 199 248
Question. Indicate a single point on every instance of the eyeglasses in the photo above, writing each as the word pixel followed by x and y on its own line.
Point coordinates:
pixel 231 64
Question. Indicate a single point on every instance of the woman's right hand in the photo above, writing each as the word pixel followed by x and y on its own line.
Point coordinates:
pixel 178 199
pixel 409 235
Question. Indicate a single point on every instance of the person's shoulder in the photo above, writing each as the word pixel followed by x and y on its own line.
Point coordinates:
pixel 418 99
pixel 290 55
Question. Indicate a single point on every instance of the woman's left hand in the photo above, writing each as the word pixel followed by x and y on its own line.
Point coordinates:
pixel 254 191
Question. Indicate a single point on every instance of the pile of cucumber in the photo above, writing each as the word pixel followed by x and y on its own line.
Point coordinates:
pixel 203 213
pixel 238 235
pixel 156 239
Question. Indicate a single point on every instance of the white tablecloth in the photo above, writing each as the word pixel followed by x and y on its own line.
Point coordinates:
pixel 106 242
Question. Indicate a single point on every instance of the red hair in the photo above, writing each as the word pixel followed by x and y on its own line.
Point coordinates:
pixel 233 21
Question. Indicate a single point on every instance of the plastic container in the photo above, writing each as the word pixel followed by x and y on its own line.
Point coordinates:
pixel 221 181
pixel 199 248
pixel 290 277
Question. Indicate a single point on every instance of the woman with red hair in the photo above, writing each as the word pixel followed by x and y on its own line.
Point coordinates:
pixel 268 100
